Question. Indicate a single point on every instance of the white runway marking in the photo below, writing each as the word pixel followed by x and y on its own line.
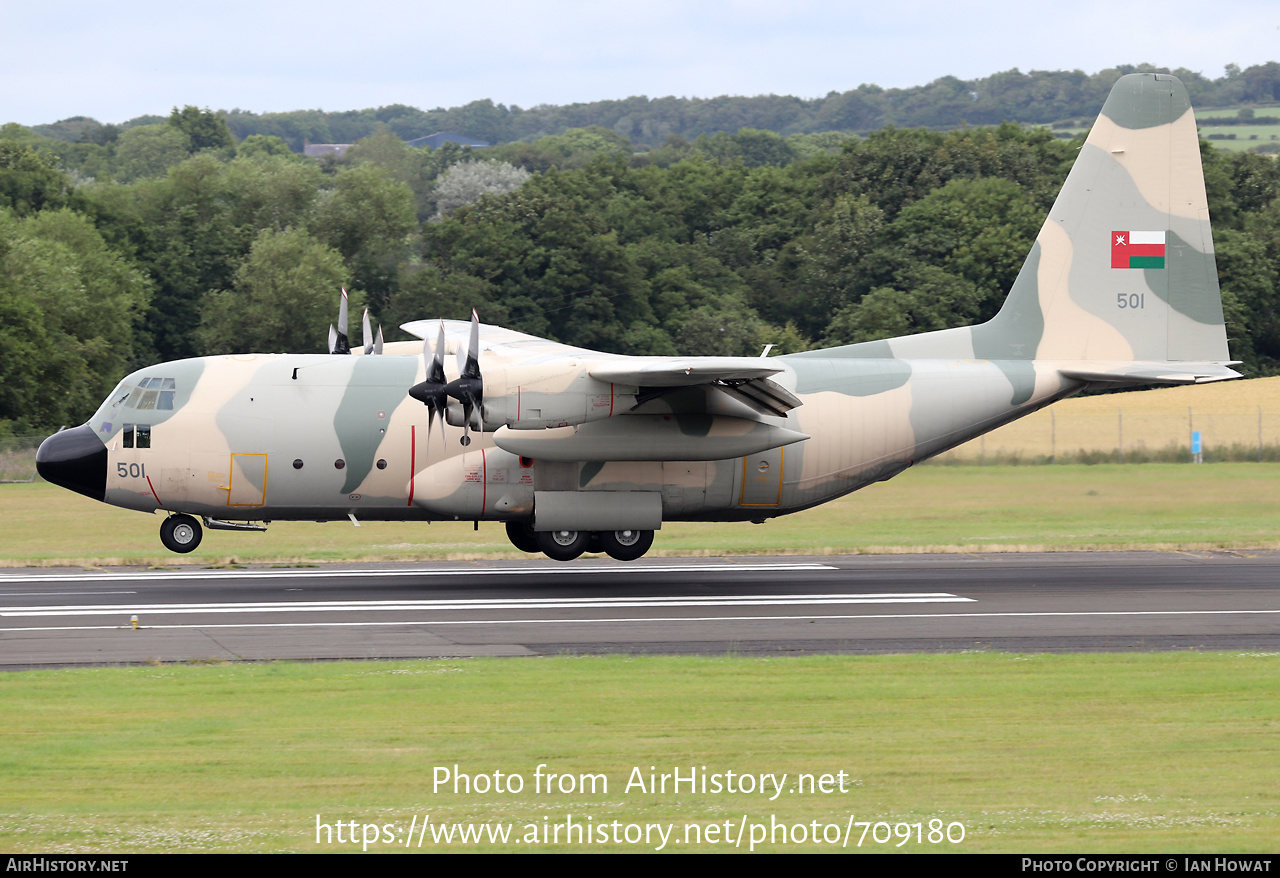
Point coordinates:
pixel 294 572
pixel 42 594
pixel 608 621
pixel 477 604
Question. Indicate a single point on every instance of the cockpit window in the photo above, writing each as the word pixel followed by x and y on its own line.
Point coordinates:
pixel 153 394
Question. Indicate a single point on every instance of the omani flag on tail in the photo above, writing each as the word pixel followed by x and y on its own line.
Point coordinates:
pixel 1137 249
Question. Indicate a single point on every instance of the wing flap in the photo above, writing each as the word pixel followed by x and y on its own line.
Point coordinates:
pixel 681 371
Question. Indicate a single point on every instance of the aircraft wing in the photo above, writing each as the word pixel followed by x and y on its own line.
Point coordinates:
pixel 495 337
pixel 746 379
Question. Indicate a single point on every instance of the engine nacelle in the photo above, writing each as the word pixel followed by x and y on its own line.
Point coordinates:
pixel 553 394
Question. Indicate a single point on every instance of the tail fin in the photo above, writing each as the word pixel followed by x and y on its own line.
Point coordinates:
pixel 1123 270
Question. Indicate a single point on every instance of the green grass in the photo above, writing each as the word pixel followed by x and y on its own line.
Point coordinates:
pixel 929 508
pixel 1093 753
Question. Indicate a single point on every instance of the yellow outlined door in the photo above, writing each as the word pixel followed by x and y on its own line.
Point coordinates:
pixel 762 478
pixel 248 485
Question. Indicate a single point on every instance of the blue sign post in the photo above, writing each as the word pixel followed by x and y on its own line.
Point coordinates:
pixel 1196 456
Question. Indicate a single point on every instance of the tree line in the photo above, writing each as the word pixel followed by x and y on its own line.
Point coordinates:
pixel 717 245
pixel 1037 97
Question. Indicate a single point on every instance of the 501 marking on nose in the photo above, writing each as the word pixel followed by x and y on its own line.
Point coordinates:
pixel 131 470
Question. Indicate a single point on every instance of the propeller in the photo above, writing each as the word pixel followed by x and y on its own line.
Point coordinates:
pixel 431 392
pixel 468 388
pixel 338 343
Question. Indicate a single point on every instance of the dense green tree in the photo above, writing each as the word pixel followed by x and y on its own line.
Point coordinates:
pixel 69 309
pixel 204 128
pixel 368 217
pixel 149 151
pixel 29 182
pixel 282 299
pixel 263 145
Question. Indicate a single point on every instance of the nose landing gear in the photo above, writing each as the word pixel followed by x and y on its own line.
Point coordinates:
pixel 180 533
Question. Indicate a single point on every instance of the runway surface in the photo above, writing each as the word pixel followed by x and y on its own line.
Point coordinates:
pixel 831 604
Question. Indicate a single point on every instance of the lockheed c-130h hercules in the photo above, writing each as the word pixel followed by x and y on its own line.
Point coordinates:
pixel 583 451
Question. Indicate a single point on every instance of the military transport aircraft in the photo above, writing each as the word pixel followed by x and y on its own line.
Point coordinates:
pixel 583 451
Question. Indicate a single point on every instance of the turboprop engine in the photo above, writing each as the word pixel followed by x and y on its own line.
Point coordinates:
pixel 558 394
pixel 551 394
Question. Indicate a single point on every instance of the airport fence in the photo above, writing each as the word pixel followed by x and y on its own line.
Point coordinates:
pixel 1127 435
pixel 18 459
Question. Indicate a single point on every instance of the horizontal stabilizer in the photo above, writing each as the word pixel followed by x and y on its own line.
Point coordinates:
pixel 1152 373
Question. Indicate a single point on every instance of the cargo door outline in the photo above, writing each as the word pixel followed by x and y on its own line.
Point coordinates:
pixel 762 478
pixel 248 484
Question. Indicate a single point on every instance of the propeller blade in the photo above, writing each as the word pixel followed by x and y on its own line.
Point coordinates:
pixel 468 389
pixel 377 344
pixel 435 370
pixel 432 392
pixel 472 367
pixel 338 343
pixel 367 333
pixel 333 339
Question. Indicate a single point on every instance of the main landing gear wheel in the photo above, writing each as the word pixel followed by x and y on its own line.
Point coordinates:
pixel 625 545
pixel 563 545
pixel 180 533
pixel 522 536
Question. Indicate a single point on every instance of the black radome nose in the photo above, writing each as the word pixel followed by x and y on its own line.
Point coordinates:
pixel 75 459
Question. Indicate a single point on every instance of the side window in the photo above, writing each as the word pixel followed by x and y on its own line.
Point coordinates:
pixel 136 436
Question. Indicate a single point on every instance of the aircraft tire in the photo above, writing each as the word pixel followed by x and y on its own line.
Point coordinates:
pixel 626 545
pixel 563 545
pixel 522 536
pixel 180 533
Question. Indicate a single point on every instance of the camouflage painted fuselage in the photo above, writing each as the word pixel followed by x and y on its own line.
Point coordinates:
pixel 247 440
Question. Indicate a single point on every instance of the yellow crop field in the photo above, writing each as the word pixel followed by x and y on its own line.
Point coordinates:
pixel 1238 416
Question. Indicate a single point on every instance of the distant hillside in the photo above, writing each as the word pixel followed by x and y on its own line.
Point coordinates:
pixel 1040 97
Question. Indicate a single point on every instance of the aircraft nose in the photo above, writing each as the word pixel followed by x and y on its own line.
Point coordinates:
pixel 76 459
